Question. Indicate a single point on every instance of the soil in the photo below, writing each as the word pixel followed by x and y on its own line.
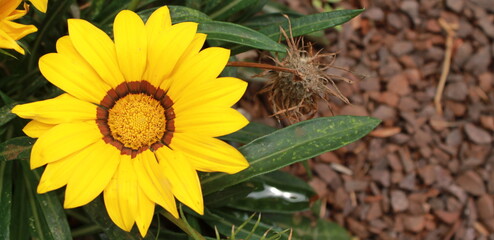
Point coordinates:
pixel 427 172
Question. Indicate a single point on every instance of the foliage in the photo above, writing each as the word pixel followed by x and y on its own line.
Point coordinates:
pixel 254 204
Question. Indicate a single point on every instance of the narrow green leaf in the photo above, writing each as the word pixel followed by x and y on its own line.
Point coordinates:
pixel 20 206
pixel 16 148
pixel 311 23
pixel 293 144
pixel 305 25
pixel 104 12
pixel 220 31
pixel 224 220
pixel 184 14
pixel 194 4
pixel 234 33
pixel 250 132
pixel 178 14
pixel 249 12
pixel 280 192
pixel 306 229
pixel 223 11
pixel 7 54
pixel 38 226
pixel 49 207
pixel 231 194
pixel 5 114
pixel 269 19
pixel 209 5
pixel 5 199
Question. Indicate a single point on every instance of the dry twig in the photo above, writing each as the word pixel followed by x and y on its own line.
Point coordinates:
pixel 449 28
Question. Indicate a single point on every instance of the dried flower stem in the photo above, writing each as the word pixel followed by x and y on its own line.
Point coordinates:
pixel 261 65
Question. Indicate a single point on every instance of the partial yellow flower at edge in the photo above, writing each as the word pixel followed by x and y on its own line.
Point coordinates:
pixel 41 5
pixel 140 117
pixel 11 31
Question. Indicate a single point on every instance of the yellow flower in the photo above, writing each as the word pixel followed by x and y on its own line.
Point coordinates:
pixel 11 31
pixel 139 118
pixel 41 5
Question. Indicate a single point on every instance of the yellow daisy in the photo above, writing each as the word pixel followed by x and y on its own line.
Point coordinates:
pixel 11 31
pixel 139 118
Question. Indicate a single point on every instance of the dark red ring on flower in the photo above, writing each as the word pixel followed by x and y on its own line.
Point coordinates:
pixel 136 87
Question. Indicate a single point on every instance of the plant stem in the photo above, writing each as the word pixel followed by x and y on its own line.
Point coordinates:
pixel 133 4
pixel 260 65
pixel 86 230
pixel 182 224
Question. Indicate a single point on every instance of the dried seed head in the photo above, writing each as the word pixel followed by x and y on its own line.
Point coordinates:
pixel 294 93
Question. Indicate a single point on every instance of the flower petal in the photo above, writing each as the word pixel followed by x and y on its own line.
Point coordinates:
pixel 71 73
pixel 63 140
pixel 35 128
pixel 203 67
pixel 16 30
pixel 121 195
pixel 166 49
pixel 159 20
pixel 130 44
pixel 220 92
pixel 61 109
pixel 192 50
pixel 210 121
pixel 7 7
pixel 209 154
pixel 57 174
pixel 145 212
pixel 183 178
pixel 153 182
pixel 8 42
pixel 97 49
pixel 41 5
pixel 194 47
pixel 92 174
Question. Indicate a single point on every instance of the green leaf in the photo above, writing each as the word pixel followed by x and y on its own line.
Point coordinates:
pixel 250 132
pixel 293 144
pixel 20 206
pixel 244 224
pixel 209 5
pixel 234 33
pixel 311 23
pixel 103 12
pixel 230 194
pixel 306 229
pixel 37 223
pixel 194 4
pixel 269 19
pixel 220 31
pixel 223 11
pixel 184 14
pixel 249 12
pixel 279 192
pixel 16 148
pixel 178 14
pixel 305 25
pixel 52 217
pixel 5 199
pixel 5 114
pixel 7 54
pixel 97 211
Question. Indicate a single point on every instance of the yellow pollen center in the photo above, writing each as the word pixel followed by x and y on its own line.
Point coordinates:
pixel 137 120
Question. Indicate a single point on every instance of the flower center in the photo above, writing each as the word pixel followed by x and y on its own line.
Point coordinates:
pixel 137 120
pixel 136 116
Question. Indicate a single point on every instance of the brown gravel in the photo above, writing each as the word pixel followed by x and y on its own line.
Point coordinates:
pixel 421 174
